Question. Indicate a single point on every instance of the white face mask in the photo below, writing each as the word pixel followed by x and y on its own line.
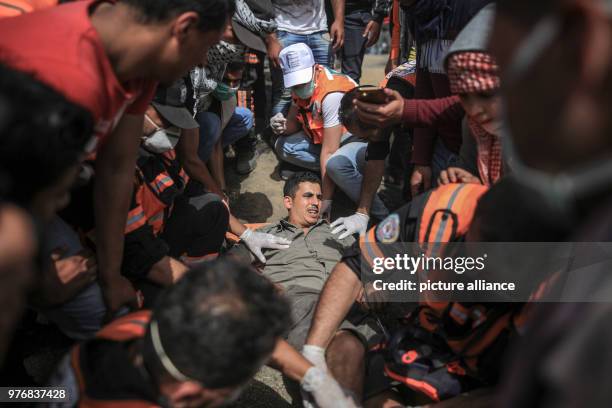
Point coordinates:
pixel 162 140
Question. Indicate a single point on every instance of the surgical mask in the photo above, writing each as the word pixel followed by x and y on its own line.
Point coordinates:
pixel 559 192
pixel 224 92
pixel 304 91
pixel 162 140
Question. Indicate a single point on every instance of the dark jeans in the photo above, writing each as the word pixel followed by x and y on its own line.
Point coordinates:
pixel 197 226
pixel 354 43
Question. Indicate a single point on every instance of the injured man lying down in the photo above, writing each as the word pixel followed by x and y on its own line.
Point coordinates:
pixel 302 269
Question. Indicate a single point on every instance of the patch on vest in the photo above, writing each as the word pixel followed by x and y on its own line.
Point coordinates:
pixel 316 111
pixel 388 230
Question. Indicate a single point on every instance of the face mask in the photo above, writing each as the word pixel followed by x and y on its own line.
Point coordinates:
pixel 559 193
pixel 304 91
pixel 162 140
pixel 224 92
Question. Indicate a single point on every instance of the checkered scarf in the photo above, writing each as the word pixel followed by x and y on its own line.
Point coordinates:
pixel 474 72
pixel 471 72
pixel 489 160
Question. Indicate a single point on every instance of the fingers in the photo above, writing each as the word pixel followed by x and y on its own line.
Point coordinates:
pixel 281 241
pixel 339 221
pixel 259 255
pixel 338 229
pixel 346 234
pixel 337 38
pixel 452 175
pixel 275 61
pixel 443 177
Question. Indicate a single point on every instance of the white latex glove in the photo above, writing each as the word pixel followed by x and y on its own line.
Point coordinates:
pixel 325 211
pixel 324 390
pixel 316 355
pixel 255 241
pixel 278 123
pixel 357 222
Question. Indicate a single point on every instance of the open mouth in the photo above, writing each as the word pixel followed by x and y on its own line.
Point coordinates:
pixel 314 211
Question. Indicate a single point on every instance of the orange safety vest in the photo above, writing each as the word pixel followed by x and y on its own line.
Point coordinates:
pixel 153 196
pixel 310 111
pixel 453 363
pixel 126 328
pixel 13 8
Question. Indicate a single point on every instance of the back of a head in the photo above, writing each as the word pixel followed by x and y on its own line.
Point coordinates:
pixel 43 134
pixel 293 184
pixel 511 212
pixel 213 14
pixel 219 323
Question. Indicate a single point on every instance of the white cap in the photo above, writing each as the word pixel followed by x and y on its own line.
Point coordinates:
pixel 296 61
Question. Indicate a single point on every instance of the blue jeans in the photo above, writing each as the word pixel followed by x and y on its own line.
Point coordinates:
pixel 210 130
pixel 354 43
pixel 345 167
pixel 321 50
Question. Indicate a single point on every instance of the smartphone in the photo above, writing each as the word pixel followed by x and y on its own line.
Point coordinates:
pixel 371 94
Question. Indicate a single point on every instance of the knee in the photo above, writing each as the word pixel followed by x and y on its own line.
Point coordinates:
pixel 347 346
pixel 246 117
pixel 339 167
pixel 282 148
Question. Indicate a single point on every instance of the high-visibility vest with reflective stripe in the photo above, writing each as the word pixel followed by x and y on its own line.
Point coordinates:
pixel 126 328
pixel 147 205
pixel 310 112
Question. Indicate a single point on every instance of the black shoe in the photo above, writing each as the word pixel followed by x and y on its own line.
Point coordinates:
pixel 287 170
pixel 246 160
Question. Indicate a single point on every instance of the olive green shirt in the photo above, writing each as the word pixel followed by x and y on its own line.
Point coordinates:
pixel 309 260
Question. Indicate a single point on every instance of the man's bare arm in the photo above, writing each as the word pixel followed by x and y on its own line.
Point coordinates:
pixel 372 177
pixel 187 152
pixel 331 143
pixel 115 166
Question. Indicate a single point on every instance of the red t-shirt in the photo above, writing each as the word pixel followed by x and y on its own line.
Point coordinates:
pixel 61 48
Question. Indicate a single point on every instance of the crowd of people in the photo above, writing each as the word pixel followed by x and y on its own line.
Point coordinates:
pixel 116 226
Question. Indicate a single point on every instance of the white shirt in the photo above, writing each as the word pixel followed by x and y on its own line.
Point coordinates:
pixel 330 108
pixel 300 16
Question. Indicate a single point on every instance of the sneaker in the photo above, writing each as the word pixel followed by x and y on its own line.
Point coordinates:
pixel 287 170
pixel 246 161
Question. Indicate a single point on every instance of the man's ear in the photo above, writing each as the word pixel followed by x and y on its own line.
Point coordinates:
pixel 183 23
pixel 288 201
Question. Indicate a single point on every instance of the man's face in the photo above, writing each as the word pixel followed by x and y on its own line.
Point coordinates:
pixel 304 206
pixel 554 119
pixel 186 47
pixel 484 109
pixel 233 78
